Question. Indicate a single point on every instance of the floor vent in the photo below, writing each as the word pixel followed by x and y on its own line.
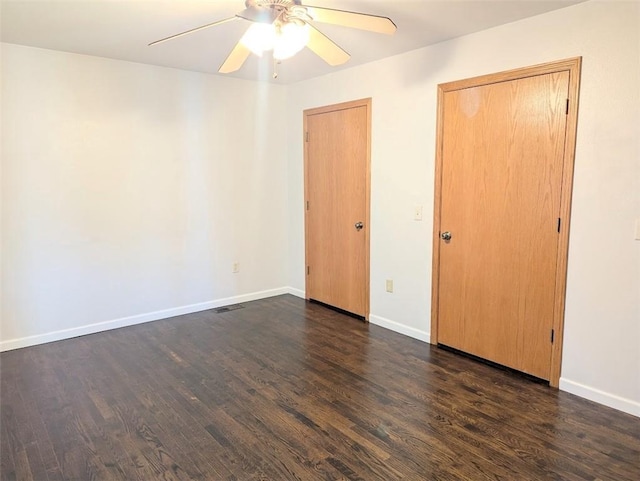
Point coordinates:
pixel 219 310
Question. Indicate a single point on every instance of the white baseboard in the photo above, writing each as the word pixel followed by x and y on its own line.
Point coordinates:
pixel 611 400
pixel 607 399
pixel 11 344
pixel 601 397
pixel 400 328
pixel 296 292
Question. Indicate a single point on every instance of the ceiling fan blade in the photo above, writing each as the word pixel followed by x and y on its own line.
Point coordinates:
pixel 326 48
pixel 363 21
pixel 236 59
pixel 187 32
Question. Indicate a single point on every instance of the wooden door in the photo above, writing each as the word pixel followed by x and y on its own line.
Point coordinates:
pixel 337 140
pixel 503 147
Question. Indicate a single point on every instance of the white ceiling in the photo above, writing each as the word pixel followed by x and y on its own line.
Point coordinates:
pixel 121 29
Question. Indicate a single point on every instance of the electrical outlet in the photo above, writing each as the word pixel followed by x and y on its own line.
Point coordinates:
pixel 389 285
pixel 236 267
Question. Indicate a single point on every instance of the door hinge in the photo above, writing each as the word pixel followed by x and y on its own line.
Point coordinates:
pixel 307 205
pixel 307 270
pixel 567 111
pixel 306 136
pixel 552 335
pixel 559 223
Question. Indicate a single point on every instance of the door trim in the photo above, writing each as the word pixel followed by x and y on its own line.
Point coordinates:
pixel 367 103
pixel 573 66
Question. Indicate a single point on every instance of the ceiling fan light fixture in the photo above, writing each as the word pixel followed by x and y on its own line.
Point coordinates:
pixel 284 39
pixel 290 39
pixel 259 38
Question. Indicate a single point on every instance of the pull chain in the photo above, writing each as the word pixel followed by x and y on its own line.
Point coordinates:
pixel 276 62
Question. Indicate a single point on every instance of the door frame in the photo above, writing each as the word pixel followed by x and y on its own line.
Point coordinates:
pixel 367 103
pixel 573 66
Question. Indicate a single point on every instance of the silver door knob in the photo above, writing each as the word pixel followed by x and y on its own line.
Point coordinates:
pixel 446 236
pixel 359 225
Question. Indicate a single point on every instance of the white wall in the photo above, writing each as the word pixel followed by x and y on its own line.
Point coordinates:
pixel 128 191
pixel 602 332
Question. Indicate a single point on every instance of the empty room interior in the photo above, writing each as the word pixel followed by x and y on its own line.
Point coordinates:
pixel 409 250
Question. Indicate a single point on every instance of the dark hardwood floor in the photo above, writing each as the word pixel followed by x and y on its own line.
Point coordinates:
pixel 286 390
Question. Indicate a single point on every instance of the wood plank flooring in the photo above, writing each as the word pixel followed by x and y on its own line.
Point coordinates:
pixel 287 390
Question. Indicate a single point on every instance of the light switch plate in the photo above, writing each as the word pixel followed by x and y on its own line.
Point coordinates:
pixel 389 285
pixel 417 212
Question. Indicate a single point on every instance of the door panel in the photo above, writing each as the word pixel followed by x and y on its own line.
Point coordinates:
pixel 337 166
pixel 502 165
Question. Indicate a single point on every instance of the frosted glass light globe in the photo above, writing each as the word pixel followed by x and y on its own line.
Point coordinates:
pixel 290 39
pixel 259 38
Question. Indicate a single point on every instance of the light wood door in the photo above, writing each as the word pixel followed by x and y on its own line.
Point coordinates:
pixel 502 154
pixel 337 205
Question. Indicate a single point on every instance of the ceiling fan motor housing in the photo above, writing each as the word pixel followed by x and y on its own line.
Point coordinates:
pixel 271 3
pixel 278 11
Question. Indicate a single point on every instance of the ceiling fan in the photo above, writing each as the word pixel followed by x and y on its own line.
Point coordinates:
pixel 284 26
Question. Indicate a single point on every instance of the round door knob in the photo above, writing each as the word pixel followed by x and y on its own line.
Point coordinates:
pixel 446 236
pixel 359 225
